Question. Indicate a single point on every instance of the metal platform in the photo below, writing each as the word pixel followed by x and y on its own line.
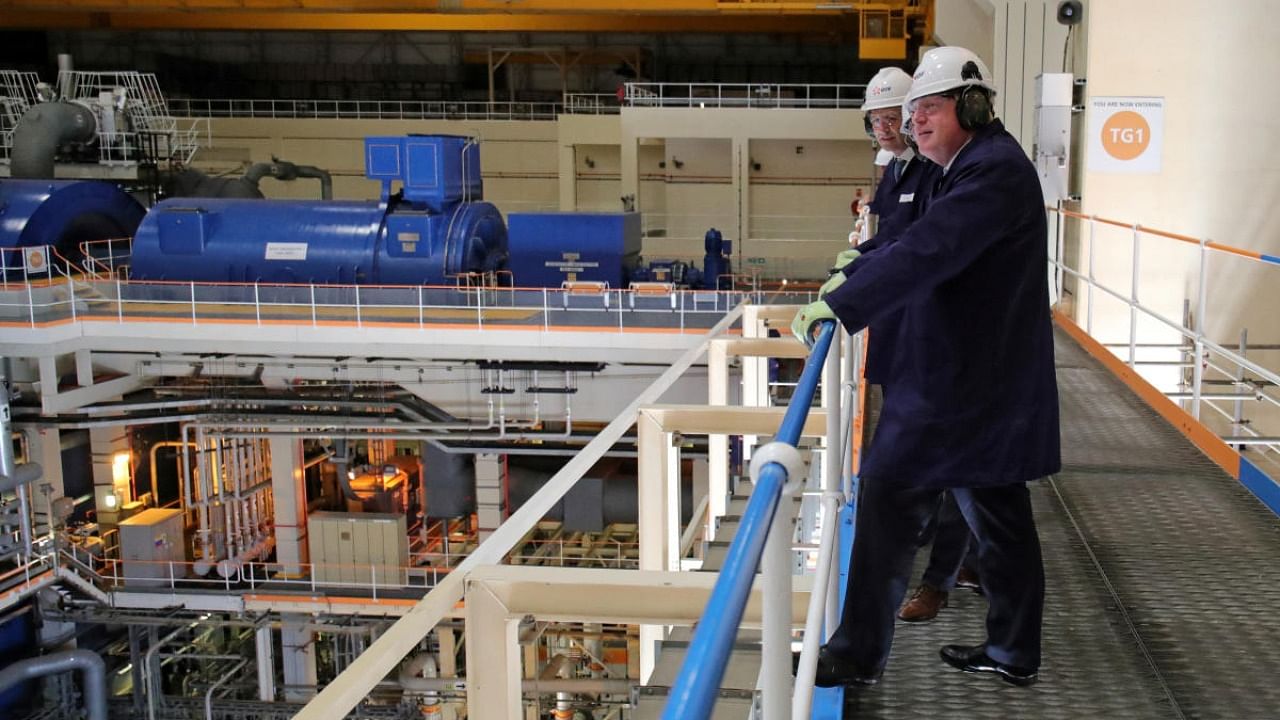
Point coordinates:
pixel 1160 569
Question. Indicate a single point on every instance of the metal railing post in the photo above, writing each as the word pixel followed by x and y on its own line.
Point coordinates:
pixel 1237 411
pixel 775 650
pixel 1133 298
pixel 313 304
pixel 193 303
pixel 257 305
pixel 1197 368
pixel 694 693
pixel 1093 248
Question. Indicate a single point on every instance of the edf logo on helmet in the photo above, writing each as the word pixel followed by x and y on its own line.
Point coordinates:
pixel 1126 134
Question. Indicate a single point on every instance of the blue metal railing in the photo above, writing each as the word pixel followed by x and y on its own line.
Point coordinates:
pixel 696 687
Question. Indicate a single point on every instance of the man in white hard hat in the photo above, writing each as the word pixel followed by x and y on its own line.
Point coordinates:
pixel 898 201
pixel 970 400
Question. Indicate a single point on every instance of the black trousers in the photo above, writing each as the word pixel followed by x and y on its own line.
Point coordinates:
pixel 950 546
pixel 890 519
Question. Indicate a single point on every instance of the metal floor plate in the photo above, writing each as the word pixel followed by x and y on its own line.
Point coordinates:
pixel 1160 569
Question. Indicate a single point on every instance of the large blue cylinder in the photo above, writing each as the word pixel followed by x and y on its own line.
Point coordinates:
pixel 64 214
pixel 295 241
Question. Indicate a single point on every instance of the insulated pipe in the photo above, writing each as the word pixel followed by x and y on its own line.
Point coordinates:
pixel 286 171
pixel 41 130
pixel 15 477
pixel 86 661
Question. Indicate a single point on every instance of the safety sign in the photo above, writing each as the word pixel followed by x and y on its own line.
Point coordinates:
pixel 1126 134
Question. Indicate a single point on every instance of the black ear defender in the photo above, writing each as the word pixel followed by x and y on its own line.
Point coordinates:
pixel 973 105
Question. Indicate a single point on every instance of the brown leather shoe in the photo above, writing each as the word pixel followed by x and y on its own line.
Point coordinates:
pixel 968 579
pixel 923 605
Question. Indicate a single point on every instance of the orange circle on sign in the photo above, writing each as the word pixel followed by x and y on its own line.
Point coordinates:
pixel 1125 135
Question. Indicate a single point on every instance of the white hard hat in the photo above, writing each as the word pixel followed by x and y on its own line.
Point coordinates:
pixel 948 68
pixel 887 89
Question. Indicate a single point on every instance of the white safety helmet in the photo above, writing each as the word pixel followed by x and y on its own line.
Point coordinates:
pixel 948 68
pixel 887 89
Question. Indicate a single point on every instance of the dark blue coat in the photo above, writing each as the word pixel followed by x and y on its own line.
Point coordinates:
pixel 897 205
pixel 970 399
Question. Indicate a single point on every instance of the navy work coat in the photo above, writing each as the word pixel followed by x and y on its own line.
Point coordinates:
pixel 894 204
pixel 897 204
pixel 970 399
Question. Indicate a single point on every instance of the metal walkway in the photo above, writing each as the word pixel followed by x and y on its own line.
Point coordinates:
pixel 1161 571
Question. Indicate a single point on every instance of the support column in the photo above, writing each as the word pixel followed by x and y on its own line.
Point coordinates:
pixel 488 493
pixel 493 657
pixel 568 167
pixel 659 536
pixel 46 449
pixel 742 185
pixel 298 656
pixel 289 497
pixel 717 445
pixel 629 167
pixel 84 368
pixel 110 477
pixel 266 658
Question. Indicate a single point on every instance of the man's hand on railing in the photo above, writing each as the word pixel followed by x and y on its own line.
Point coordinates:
pixel 808 317
pixel 844 258
pixel 833 282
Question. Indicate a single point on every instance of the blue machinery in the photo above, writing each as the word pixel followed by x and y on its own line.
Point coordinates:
pixel 62 214
pixel 432 228
pixel 696 687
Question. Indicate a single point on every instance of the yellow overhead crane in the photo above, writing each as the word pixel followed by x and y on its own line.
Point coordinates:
pixel 880 24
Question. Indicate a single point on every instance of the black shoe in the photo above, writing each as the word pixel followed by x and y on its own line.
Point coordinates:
pixel 974 659
pixel 834 671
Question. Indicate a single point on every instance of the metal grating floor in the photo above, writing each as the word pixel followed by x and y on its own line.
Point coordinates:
pixel 1160 571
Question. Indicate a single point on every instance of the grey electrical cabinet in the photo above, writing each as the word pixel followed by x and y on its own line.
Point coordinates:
pixel 358 549
pixel 152 548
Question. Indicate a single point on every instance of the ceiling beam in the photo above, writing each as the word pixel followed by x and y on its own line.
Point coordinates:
pixel 422 22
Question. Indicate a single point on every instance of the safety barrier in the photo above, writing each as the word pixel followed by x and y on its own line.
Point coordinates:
pixel 1211 375
pixel 58 292
pixel 695 691
pixel 753 95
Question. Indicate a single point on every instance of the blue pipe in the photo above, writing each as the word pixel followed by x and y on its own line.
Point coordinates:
pixel 697 685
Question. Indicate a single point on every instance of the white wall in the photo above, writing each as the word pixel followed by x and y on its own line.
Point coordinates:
pixel 1212 63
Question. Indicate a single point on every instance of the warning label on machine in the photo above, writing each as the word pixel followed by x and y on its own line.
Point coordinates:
pixel 286 251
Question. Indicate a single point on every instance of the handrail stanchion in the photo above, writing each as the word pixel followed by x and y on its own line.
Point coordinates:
pixel 1197 362
pixel 696 687
pixel 1133 298
pixel 1093 251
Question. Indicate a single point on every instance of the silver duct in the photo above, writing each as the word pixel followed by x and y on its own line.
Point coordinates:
pixel 284 170
pixel 86 661
pixel 41 130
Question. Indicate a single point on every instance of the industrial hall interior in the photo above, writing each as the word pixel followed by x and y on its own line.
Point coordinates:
pixel 601 360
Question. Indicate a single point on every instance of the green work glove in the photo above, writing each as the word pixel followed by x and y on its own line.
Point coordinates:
pixel 809 315
pixel 845 258
pixel 832 283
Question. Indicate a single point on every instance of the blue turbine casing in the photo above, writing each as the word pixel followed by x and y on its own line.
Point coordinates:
pixel 296 241
pixel 64 213
pixel 424 236
pixel 550 248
